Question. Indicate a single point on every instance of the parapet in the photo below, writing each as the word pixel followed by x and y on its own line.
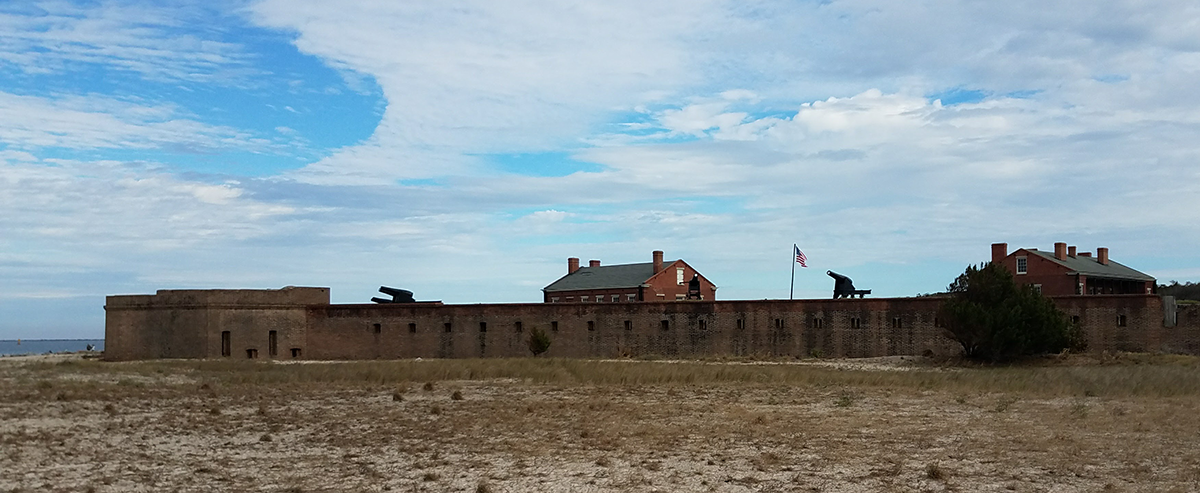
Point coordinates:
pixel 288 296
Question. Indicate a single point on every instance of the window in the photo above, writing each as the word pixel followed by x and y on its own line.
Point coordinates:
pixel 378 328
pixel 226 347
pixel 897 322
pixel 554 299
pixel 741 323
pixel 412 327
pixel 616 298
pixel 517 327
pixel 483 326
pixel 680 297
pixel 1120 320
pixel 703 324
pixel 629 325
pixel 295 352
pixel 855 322
pixel 554 326
pixel 779 323
pixel 630 297
pixel 816 323
pixel 447 326
pixel 666 325
pixel 591 325
pixel 599 298
pixel 679 276
pixel 1037 288
pixel 583 298
pixel 272 344
pixel 252 353
pixel 1022 265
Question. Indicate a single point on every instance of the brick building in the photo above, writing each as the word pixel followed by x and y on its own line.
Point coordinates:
pixel 650 281
pixel 1067 272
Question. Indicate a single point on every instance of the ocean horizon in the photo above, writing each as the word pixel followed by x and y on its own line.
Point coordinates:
pixel 13 347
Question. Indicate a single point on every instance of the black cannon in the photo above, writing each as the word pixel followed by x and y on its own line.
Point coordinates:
pixel 843 287
pixel 398 295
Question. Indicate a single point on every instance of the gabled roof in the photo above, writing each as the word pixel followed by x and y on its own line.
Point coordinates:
pixel 1091 266
pixel 605 277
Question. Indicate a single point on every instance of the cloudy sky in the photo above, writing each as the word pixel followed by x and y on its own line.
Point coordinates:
pixel 464 149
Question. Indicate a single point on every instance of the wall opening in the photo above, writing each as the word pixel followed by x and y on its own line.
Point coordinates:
pixel 666 325
pixel 447 326
pixel 855 322
pixel 517 327
pixel 779 323
pixel 226 346
pixel 816 323
pixel 483 326
pixel 741 323
pixel 295 352
pixel 629 325
pixel 378 328
pixel 272 344
pixel 703 324
pixel 1120 320
pixel 412 328
pixel 591 325
pixel 252 353
pixel 897 323
pixel 554 326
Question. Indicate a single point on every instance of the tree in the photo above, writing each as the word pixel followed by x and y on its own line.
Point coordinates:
pixel 996 320
pixel 539 342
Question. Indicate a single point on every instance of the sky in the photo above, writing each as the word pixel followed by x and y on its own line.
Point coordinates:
pixel 464 149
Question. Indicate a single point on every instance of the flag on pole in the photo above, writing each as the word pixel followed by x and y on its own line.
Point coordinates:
pixel 800 258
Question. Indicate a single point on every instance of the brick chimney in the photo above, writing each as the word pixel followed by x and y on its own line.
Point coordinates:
pixel 999 251
pixel 572 265
pixel 1102 255
pixel 1060 251
pixel 1071 251
pixel 593 263
pixel 1085 254
pixel 657 261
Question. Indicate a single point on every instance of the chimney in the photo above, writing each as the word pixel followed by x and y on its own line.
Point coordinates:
pixel 1102 255
pixel 1060 251
pixel 999 251
pixel 572 265
pixel 593 263
pixel 1085 254
pixel 1071 251
pixel 657 261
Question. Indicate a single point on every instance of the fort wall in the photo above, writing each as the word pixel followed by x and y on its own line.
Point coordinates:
pixel 299 323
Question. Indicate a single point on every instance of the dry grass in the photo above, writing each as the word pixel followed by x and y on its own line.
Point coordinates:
pixel 1117 423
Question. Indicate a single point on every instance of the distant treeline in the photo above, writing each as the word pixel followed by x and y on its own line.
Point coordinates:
pixel 1189 291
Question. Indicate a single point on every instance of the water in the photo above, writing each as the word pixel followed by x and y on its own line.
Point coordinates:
pixel 43 346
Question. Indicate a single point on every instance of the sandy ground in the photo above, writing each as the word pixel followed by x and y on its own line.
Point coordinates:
pixel 63 431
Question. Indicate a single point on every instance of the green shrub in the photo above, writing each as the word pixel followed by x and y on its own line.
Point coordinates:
pixel 996 320
pixel 539 342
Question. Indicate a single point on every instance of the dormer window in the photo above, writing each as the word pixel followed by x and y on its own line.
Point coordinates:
pixel 1022 265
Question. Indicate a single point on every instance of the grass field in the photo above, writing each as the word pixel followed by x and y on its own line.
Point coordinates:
pixel 1121 423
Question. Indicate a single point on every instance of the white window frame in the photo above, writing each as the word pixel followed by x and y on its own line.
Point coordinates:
pixel 616 298
pixel 1022 265
pixel 584 298
pixel 679 276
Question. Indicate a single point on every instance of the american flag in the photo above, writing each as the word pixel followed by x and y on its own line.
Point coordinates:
pixel 800 257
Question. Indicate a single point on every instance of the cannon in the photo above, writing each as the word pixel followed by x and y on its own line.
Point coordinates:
pixel 843 287
pixel 398 295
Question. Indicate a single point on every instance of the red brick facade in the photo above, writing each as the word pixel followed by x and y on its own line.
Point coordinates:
pixel 1067 272
pixel 299 323
pixel 660 282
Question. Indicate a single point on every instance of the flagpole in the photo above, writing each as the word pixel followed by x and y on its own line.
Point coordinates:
pixel 792 286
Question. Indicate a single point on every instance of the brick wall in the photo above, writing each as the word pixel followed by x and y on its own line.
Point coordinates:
pixel 190 325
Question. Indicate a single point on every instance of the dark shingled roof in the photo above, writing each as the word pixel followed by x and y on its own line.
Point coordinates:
pixel 605 277
pixel 1091 267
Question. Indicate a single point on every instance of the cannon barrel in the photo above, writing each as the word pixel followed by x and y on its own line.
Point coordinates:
pixel 395 292
pixel 837 276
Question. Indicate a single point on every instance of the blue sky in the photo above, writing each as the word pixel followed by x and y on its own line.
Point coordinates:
pixel 463 150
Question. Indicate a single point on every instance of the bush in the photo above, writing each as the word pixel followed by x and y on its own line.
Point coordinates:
pixel 539 342
pixel 996 320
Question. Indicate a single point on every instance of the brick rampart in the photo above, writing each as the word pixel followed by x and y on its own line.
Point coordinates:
pixel 192 324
